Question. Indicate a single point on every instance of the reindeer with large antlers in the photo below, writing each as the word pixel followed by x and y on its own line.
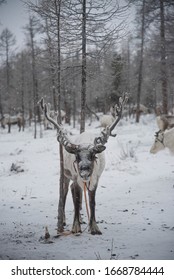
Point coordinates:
pixel 84 163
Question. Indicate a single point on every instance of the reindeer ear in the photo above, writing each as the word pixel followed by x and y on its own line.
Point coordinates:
pixel 72 149
pixel 99 149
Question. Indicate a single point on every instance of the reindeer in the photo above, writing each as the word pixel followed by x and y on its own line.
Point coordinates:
pixel 84 163
pixel 12 120
pixel 163 139
pixel 107 120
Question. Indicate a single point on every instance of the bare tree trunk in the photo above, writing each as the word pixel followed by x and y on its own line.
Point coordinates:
pixel 163 60
pixel 61 180
pixel 1 111
pixel 83 89
pixel 8 78
pixel 34 79
pixel 74 108
pixel 7 42
pixel 140 75
pixel 22 91
pixel 52 66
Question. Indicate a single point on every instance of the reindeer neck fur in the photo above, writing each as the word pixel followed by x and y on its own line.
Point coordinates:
pixel 169 139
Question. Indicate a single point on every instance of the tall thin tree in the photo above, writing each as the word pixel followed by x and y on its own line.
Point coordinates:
pixel 83 88
pixel 140 71
pixel 7 42
pixel 32 29
pixel 163 59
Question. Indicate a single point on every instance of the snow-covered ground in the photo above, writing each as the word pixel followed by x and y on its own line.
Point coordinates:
pixel 135 198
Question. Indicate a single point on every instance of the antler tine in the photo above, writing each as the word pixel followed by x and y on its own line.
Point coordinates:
pixel 103 138
pixel 119 108
pixel 41 103
pixel 45 109
pixel 157 133
pixel 61 137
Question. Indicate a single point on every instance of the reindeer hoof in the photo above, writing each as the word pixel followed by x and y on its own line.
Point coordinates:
pixel 93 228
pixel 76 227
pixel 96 232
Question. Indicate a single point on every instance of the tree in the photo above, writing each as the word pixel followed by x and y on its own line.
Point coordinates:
pixel 22 76
pixel 52 61
pixel 116 71
pixel 164 82
pixel 7 43
pixel 159 16
pixel 92 23
pixel 58 5
pixel 140 72
pixel 52 12
pixel 83 90
pixel 156 17
pixel 32 29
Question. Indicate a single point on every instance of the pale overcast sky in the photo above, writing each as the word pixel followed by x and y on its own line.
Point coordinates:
pixel 14 16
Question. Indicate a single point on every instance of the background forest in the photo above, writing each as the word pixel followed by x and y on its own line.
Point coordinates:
pixel 81 52
pixel 81 55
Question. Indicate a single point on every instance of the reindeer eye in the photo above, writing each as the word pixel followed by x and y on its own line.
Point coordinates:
pixel 77 158
pixel 92 156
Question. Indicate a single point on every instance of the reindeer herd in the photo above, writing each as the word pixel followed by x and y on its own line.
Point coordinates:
pixel 164 137
pixel 8 121
pixel 84 158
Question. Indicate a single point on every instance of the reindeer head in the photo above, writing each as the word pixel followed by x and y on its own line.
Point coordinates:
pixel 85 154
pixel 158 144
pixel 85 157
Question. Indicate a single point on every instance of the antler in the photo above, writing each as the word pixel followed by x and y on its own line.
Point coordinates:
pixel 98 141
pixel 46 111
pixel 157 133
pixel 161 138
pixel 62 135
pixel 103 138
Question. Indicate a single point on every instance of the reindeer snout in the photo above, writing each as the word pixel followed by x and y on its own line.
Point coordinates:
pixel 85 175
pixel 85 172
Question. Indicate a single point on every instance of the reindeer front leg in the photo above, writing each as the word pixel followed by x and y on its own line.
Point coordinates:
pixel 61 206
pixel 9 127
pixel 76 194
pixel 93 228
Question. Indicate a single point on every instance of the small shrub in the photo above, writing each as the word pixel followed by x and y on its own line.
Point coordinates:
pixel 127 152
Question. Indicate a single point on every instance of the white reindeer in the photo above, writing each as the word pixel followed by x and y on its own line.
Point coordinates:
pixel 107 120
pixel 163 139
pixel 84 162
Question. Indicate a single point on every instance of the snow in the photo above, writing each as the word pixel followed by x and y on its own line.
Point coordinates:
pixel 135 198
